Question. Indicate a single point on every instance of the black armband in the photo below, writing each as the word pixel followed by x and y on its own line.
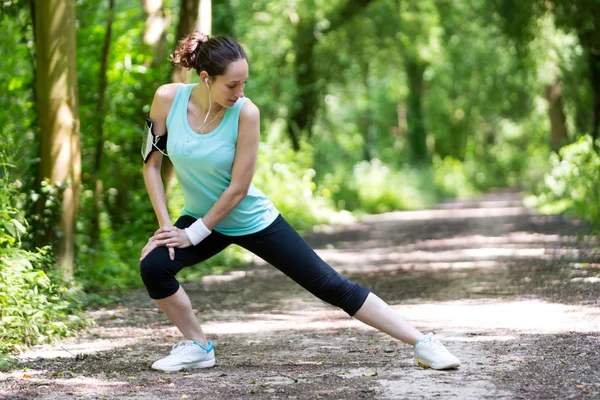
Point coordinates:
pixel 151 142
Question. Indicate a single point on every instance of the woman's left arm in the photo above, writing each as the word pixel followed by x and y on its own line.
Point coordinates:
pixel 242 172
pixel 244 164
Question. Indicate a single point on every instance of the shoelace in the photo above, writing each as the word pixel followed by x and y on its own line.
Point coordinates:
pixel 181 347
pixel 433 345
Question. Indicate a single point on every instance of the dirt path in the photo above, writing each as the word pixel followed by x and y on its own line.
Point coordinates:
pixel 513 294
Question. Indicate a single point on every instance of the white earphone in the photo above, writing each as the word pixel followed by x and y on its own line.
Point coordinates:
pixel 206 81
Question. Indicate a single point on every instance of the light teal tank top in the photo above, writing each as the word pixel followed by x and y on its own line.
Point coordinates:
pixel 203 165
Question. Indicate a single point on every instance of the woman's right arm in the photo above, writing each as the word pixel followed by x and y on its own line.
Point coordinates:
pixel 163 98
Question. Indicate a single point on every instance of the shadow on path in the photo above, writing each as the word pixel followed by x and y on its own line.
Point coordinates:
pixel 512 293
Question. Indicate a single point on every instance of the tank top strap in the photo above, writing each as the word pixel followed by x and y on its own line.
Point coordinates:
pixel 233 117
pixel 183 92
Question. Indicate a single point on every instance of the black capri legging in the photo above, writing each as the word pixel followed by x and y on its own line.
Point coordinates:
pixel 278 244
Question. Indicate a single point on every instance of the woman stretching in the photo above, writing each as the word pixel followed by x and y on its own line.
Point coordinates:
pixel 213 138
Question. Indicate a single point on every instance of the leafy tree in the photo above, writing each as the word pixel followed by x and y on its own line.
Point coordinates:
pixel 58 115
pixel 579 16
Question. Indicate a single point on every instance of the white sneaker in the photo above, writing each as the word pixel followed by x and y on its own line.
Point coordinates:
pixel 430 353
pixel 187 354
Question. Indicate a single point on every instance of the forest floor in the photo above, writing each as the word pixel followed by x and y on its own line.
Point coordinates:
pixel 513 294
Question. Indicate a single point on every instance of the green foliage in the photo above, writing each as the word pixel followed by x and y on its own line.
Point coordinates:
pixel 582 16
pixel 33 307
pixel 573 184
pixel 452 178
pixel 44 209
pixel 381 189
pixel 12 230
pixel 375 187
pixel 17 119
pixel 34 304
pixel 287 178
pixel 500 161
pixel 476 100
pixel 111 265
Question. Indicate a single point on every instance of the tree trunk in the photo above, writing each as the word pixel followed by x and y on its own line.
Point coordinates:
pixel 193 14
pixel 558 125
pixel 415 118
pixel 594 63
pixel 204 21
pixel 369 147
pixel 100 113
pixel 58 114
pixel 188 15
pixel 155 31
pixel 301 117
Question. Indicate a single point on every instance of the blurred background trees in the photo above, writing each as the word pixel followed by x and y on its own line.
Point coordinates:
pixel 367 106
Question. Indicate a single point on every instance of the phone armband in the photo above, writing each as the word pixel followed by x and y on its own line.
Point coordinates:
pixel 152 142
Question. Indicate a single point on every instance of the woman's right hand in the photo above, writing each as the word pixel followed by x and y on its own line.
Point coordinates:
pixel 151 245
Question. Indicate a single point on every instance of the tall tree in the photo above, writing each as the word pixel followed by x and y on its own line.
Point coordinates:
pixel 193 14
pixel 155 30
pixel 58 114
pixel 204 23
pixel 418 27
pixel 99 125
pixel 155 43
pixel 188 17
pixel 583 17
pixel 415 116
pixel 579 16
pixel 558 121
pixel 303 112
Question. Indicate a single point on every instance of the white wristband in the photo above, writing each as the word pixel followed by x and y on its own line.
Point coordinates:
pixel 197 232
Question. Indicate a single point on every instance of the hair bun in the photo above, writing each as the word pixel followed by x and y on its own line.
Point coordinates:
pixel 200 37
pixel 187 49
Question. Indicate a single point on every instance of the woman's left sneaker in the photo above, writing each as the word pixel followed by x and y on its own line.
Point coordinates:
pixel 430 353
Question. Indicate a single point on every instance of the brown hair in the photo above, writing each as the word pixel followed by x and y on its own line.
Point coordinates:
pixel 212 54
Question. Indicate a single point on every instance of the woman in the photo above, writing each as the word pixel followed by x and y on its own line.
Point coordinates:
pixel 213 138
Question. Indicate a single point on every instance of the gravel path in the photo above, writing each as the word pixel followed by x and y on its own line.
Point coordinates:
pixel 513 294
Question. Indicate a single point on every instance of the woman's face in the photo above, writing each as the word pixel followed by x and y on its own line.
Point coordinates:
pixel 227 88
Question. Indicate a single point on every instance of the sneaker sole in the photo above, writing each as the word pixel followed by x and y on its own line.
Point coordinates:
pixel 441 367
pixel 199 364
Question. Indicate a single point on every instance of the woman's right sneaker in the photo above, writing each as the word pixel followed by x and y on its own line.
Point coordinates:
pixel 187 354
pixel 430 353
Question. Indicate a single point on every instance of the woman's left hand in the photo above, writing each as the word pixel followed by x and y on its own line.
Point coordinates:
pixel 171 236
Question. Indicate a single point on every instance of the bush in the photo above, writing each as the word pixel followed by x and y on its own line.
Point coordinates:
pixel 451 177
pixel 291 186
pixel 381 189
pixel 375 187
pixel 573 184
pixel 33 307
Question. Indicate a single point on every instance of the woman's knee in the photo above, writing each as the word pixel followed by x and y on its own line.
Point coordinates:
pixel 157 270
pixel 343 293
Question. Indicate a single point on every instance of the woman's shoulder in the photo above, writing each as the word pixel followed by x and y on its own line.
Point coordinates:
pixel 166 93
pixel 163 100
pixel 249 110
pixel 249 118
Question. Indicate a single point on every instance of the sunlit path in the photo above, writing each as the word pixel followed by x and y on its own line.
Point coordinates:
pixel 512 293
